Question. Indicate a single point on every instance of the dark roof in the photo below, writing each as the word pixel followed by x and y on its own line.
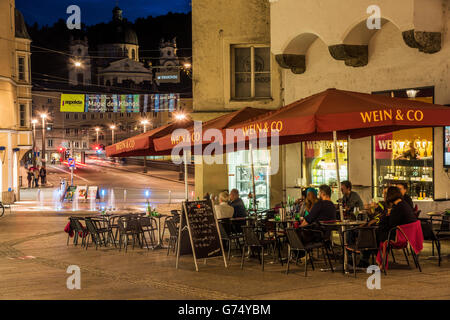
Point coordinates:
pixel 119 30
pixel 21 29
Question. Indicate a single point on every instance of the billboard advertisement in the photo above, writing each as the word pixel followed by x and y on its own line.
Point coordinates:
pixel 72 103
pixel 122 103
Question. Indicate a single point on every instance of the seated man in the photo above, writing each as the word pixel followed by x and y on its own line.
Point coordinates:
pixel 223 209
pixel 237 204
pixel 351 199
pixel 403 187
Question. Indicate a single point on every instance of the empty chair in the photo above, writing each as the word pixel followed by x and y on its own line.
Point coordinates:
pixel 252 241
pixel 430 235
pixel 295 243
pixel 366 240
pixel 173 234
pixel 148 225
pixel 97 233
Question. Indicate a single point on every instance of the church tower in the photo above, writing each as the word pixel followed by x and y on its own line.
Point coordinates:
pixel 80 62
pixel 168 53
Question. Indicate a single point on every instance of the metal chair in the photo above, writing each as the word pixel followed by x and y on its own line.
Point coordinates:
pixel 228 236
pixel 366 240
pixel 148 225
pixel 173 234
pixel 295 243
pixel 128 226
pixel 95 232
pixel 430 235
pixel 78 229
pixel 251 240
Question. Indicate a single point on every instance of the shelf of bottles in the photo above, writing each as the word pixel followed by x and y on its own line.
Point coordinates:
pixel 245 186
pixel 418 174
pixel 405 156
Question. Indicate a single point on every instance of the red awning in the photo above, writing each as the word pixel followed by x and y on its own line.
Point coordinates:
pixel 142 144
pixel 166 143
pixel 348 113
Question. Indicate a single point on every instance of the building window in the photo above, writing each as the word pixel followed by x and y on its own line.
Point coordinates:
pixel 80 78
pixel 109 115
pixel 77 144
pixel 68 132
pixel 92 116
pixel 67 116
pixel 83 116
pixel 23 115
pixel 133 54
pixel 121 114
pixel 50 143
pixel 75 116
pixel 75 132
pixel 21 68
pixel 49 100
pixel 129 115
pixel 84 145
pixel 101 115
pixel 250 72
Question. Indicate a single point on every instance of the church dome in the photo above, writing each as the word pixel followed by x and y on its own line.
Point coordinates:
pixel 119 31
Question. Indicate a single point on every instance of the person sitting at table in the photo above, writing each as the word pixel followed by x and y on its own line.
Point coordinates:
pixel 311 200
pixel 404 189
pixel 300 204
pixel 351 199
pixel 399 214
pixel 323 210
pixel 237 204
pixel 223 209
pixel 378 210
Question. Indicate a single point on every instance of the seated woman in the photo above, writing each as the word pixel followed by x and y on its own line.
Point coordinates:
pixel 311 200
pixel 398 214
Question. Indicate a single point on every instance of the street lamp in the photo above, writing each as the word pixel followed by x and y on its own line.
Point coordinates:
pixel 144 123
pixel 77 64
pixel 96 131
pixel 180 116
pixel 112 132
pixel 33 156
pixel 43 116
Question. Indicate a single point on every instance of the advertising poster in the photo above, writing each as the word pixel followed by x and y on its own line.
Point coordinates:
pixel 70 192
pixel 113 103
pixel 72 103
pixel 92 192
pixel 82 192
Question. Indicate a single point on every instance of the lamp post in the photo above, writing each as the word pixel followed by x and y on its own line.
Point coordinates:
pixel 33 155
pixel 112 132
pixel 180 116
pixel 43 116
pixel 96 131
pixel 144 123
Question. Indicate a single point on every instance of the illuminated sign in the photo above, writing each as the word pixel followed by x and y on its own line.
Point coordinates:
pixel 389 114
pixel 447 146
pixel 72 102
pixel 167 77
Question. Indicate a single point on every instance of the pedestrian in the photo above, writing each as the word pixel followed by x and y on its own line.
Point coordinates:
pixel 43 175
pixel 30 177
pixel 36 177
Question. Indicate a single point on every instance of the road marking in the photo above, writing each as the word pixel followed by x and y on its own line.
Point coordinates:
pixel 68 172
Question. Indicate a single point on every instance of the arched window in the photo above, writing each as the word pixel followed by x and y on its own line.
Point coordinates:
pixel 133 54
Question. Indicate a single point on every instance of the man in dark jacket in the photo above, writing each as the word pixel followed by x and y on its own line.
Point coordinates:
pixel 237 204
pixel 43 175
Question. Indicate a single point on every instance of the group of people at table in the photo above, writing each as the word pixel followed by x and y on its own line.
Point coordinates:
pixel 315 206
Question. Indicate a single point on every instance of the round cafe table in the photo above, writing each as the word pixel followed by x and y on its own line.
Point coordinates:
pixel 341 227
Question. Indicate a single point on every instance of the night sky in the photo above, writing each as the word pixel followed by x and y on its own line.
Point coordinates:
pixel 95 11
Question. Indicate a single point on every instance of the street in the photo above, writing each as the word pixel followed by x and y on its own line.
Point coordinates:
pixel 131 187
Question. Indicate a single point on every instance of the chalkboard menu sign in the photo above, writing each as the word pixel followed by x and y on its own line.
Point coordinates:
pixel 199 219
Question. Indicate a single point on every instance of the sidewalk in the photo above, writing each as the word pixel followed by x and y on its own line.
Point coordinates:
pixel 168 175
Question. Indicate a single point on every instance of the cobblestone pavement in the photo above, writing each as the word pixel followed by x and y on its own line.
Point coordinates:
pixel 34 258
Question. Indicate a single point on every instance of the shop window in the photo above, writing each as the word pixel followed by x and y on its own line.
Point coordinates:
pixel 250 72
pixel 22 115
pixel 319 162
pixel 240 176
pixel 405 156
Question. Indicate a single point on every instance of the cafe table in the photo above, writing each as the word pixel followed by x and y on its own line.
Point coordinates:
pixel 341 227
pixel 159 245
